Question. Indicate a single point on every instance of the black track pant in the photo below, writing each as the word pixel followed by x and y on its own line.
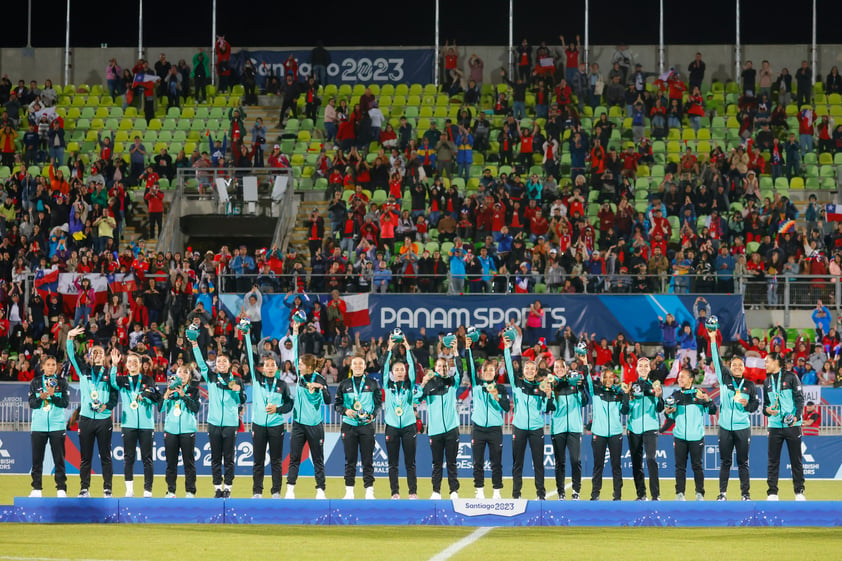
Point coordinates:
pixel 360 439
pixel 695 449
pixel 571 442
pixel 39 447
pixel 184 444
pixel 222 442
pixel 729 440
pixel 445 446
pixel 492 437
pixel 638 443
pixel 395 440
pixel 99 430
pixel 792 437
pixel 273 437
pixel 614 445
pixel 535 439
pixel 131 438
pixel 314 436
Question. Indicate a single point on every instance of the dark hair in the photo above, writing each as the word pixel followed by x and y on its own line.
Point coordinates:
pixel 775 356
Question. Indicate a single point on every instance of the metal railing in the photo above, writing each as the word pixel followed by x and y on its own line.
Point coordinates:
pixel 799 292
pixel 16 416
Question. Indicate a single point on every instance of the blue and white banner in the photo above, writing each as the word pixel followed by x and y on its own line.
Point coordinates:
pixel 635 316
pixel 348 66
pixel 821 457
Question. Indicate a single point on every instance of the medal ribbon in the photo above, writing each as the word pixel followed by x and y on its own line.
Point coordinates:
pixel 134 387
pixel 357 392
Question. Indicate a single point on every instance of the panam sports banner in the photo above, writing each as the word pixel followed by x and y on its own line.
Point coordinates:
pixel 636 316
pixel 348 66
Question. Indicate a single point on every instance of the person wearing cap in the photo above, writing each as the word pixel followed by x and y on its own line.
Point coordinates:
pixel 645 402
pixel 490 403
pixel 98 400
pixel 271 400
pixel 738 399
pixel 48 399
pixel 530 401
pixel 311 393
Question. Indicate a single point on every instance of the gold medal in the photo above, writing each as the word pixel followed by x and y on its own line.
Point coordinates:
pixel 94 395
pixel 176 411
pixel 358 406
pixel 399 411
pixel 134 405
pixel 47 406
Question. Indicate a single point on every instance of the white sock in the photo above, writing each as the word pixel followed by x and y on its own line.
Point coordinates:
pixel 217 487
pixel 227 487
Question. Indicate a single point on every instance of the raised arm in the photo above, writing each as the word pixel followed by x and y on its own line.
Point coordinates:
pixel 200 361
pixel 716 359
pixel 507 358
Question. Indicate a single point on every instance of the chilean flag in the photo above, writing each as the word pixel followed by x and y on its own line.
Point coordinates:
pixel 51 281
pixel 755 369
pixel 834 212
pixel 356 310
pixel 142 78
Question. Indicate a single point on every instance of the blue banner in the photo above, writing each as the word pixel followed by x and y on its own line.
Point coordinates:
pixel 821 457
pixel 636 316
pixel 348 66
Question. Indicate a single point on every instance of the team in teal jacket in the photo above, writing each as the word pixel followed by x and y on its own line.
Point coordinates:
pixel 528 423
pixel 399 409
pixel 48 400
pixel 565 407
pixel 439 391
pixel 783 404
pixel 180 404
pixel 225 396
pixel 610 402
pixel 311 394
pixel 139 395
pixel 737 399
pixel 490 403
pixel 645 402
pixel 688 407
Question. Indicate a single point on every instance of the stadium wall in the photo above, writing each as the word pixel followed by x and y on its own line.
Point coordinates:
pixel 88 64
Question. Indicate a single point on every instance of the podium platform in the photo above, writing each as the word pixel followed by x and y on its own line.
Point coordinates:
pixel 463 512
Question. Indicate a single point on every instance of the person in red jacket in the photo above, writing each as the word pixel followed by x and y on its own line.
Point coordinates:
pixel 811 419
pixel 222 49
pixel 806 128
pixel 155 201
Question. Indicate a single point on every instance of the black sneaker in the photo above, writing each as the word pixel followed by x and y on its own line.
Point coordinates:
pixel 641 498
pixel 594 497
pixel 746 497
pixel 656 498
pixel 83 494
pixel 574 496
pixel 721 497
pixel 226 494
pixel 218 494
pixel 106 494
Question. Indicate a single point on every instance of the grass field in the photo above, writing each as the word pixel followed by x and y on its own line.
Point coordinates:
pixel 19 485
pixel 22 542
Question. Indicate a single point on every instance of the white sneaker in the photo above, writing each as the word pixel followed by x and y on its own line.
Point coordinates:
pixel 396 497
pixel 35 494
pixel 276 495
pixel 290 494
pixel 129 489
pixel 62 494
pixel 772 498
pixel 320 494
pixel 147 494
pixel 189 496
pixel 84 494
pixel 700 497
pixel 413 497
pixel 369 493
pixel 349 493
pixel 257 496
pixel 800 497
pixel 680 497
pixel 434 497
pixel 454 496
pixel 496 495
pixel 169 495
pixel 479 493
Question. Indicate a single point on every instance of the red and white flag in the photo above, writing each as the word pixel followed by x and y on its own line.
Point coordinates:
pixel 356 311
pixel 755 369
